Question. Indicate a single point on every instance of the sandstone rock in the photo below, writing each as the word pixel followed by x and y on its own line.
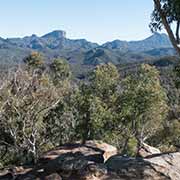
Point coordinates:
pixel 73 160
pixel 53 176
pixel 96 170
pixel 35 176
pixel 91 172
pixel 157 167
pixel 67 164
pixel 8 174
pixel 108 150
pixel 147 150
pixel 93 151
pixel 77 162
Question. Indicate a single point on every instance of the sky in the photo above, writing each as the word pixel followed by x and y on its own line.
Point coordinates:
pixel 95 20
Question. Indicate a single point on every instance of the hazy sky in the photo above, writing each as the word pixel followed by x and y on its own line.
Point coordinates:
pixel 95 20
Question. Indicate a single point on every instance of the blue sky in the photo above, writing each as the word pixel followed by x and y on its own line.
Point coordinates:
pixel 95 20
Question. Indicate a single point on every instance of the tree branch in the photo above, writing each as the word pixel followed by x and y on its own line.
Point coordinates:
pixel 166 25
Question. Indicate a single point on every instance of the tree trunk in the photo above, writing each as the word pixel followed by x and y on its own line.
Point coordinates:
pixel 125 146
pixel 177 32
pixel 85 135
pixel 34 153
pixel 167 26
pixel 86 128
pixel 139 143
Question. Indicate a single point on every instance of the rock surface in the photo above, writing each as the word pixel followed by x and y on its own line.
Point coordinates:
pixel 73 161
pixel 93 150
pixel 147 150
pixel 156 167
pixel 76 162
pixel 107 149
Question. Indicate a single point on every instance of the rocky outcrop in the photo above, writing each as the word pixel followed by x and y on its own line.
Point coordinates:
pixel 156 167
pixel 73 161
pixel 147 150
pixel 107 149
pixel 86 162
pixel 95 151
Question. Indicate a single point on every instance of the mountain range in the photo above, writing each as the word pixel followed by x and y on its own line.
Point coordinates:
pixel 81 52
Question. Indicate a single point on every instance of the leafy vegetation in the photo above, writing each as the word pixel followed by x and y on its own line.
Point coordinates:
pixel 42 107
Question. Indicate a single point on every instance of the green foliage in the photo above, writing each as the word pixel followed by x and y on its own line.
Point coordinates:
pixel 177 75
pixel 104 80
pixel 168 137
pixel 131 146
pixel 143 103
pixel 95 102
pixel 171 9
pixel 61 122
pixel 25 99
pixel 94 117
pixel 40 112
pixel 35 60
pixel 60 70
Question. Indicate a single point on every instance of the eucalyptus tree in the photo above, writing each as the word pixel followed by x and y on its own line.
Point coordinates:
pixel 165 15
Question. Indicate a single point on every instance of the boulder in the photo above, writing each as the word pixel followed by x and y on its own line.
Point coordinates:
pixel 77 162
pixel 71 161
pixel 92 172
pixel 53 176
pixel 70 166
pixel 74 166
pixel 95 151
pixel 67 164
pixel 147 150
pixel 107 149
pixel 156 167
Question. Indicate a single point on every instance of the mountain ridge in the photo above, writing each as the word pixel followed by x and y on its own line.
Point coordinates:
pixel 58 39
pixel 156 40
pixel 81 52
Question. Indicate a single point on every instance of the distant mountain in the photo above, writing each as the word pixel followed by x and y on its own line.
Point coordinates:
pixel 53 40
pixel 155 41
pixel 80 52
pixel 104 55
pixel 160 52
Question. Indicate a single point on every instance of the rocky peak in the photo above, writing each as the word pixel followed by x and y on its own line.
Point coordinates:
pixel 58 34
pixel 161 39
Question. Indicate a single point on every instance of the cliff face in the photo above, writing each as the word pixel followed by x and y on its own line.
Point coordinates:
pixel 87 162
